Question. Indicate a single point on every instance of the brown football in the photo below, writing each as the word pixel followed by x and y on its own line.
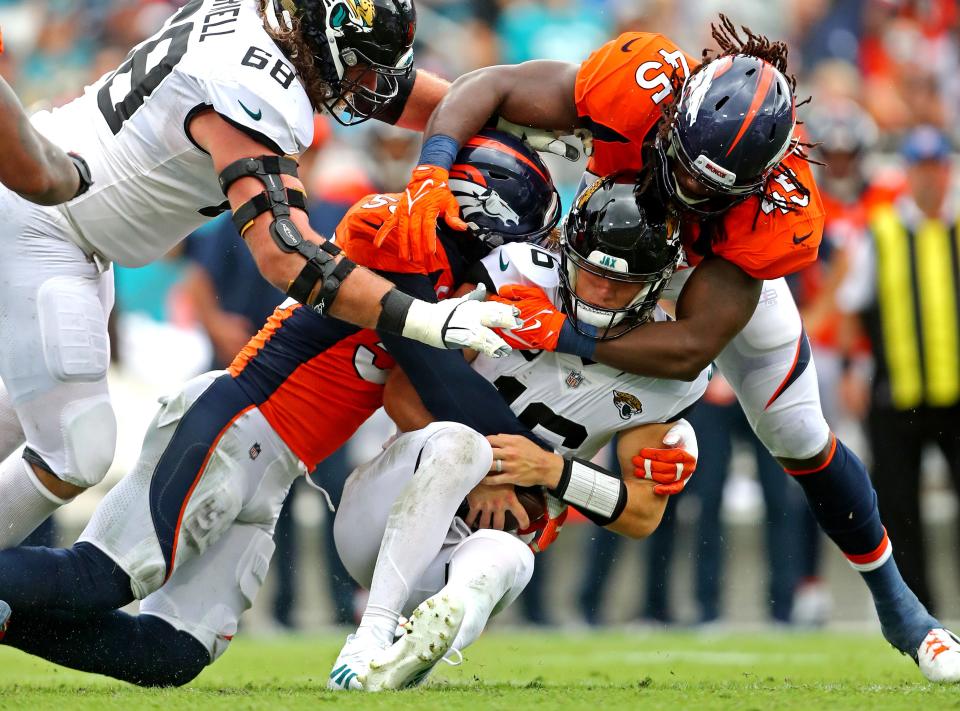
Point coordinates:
pixel 533 502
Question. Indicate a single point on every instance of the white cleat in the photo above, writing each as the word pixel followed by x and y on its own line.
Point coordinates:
pixel 352 662
pixel 939 656
pixel 431 630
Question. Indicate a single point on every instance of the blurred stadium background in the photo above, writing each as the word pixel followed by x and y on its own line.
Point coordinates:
pixel 895 59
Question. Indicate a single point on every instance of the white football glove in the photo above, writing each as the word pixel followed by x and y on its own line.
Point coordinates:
pixel 462 323
pixel 549 141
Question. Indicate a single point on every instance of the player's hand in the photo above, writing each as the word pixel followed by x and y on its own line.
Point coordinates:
pixel 489 504
pixel 540 139
pixel 557 512
pixel 670 468
pixel 518 461
pixel 426 198
pixel 464 322
pixel 542 322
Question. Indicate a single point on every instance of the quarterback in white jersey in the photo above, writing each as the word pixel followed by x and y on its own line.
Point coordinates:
pixel 201 118
pixel 398 531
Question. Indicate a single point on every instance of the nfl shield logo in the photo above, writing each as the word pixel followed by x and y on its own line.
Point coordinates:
pixel 255 450
pixel 574 379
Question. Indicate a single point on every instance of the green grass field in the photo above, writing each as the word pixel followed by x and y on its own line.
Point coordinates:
pixel 528 670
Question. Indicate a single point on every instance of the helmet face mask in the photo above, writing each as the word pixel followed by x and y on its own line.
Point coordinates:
pixel 626 238
pixel 362 49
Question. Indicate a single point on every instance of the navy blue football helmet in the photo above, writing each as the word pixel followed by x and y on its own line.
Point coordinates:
pixel 505 191
pixel 622 232
pixel 734 123
pixel 376 35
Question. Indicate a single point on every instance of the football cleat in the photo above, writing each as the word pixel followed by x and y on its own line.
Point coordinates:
pixel 939 656
pixel 4 618
pixel 352 662
pixel 431 630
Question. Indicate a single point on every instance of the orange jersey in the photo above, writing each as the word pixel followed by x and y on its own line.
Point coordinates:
pixel 620 92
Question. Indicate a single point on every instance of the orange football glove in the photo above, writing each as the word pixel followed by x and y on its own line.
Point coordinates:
pixel 541 320
pixel 557 512
pixel 426 198
pixel 670 468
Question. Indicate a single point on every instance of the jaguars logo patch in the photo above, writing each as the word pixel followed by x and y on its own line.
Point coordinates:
pixel 627 405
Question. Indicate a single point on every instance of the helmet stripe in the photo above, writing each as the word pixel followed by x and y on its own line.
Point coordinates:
pixel 481 142
pixel 763 86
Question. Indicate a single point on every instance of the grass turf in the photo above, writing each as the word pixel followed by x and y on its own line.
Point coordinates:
pixel 523 670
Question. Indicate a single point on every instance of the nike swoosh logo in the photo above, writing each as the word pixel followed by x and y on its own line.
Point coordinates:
pixel 532 327
pixel 801 240
pixel 626 47
pixel 255 116
pixel 503 265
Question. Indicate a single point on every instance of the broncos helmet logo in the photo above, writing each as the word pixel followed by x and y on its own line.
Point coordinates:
pixel 479 200
pixel 627 405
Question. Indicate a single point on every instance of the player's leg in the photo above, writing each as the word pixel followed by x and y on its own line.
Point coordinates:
pixel 54 353
pixel 402 488
pixel 485 573
pixel 896 447
pixel 141 650
pixel 182 627
pixel 447 461
pixel 770 367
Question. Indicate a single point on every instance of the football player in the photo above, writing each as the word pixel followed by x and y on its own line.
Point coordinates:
pixel 393 529
pixel 721 137
pixel 211 107
pixel 189 530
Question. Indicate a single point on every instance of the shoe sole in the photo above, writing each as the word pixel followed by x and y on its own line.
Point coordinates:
pixel 432 628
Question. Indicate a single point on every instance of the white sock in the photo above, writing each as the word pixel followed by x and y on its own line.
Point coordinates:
pixel 11 432
pixel 451 463
pixel 486 574
pixel 25 503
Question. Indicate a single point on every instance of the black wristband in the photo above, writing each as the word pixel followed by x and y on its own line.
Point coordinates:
pixel 393 314
pixel 83 170
pixel 599 495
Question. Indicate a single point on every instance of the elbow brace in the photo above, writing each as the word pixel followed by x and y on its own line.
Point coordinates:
pixel 319 282
pixel 598 494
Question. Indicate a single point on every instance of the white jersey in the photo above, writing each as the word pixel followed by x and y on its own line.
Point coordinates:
pixel 152 184
pixel 574 404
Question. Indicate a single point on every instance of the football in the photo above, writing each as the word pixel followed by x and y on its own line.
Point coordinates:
pixel 534 503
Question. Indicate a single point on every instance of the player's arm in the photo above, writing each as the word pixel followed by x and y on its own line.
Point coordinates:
pixel 717 301
pixel 427 91
pixel 538 94
pixel 616 500
pixel 302 264
pixel 32 166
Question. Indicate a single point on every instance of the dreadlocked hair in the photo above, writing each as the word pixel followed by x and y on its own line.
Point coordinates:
pixel 730 42
pixel 295 48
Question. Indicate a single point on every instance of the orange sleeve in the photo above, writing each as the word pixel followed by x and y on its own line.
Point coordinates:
pixel 620 91
pixel 773 243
